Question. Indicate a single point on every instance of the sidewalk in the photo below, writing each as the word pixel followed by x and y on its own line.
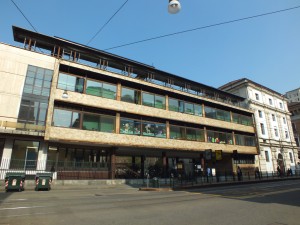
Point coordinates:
pixel 138 184
pixel 216 184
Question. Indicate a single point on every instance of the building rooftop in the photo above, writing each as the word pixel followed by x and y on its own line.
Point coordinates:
pixel 246 80
pixel 62 48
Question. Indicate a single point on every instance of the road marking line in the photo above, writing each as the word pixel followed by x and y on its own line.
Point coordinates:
pixel 22 207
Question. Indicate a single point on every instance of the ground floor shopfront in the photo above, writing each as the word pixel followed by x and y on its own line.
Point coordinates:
pixel 82 161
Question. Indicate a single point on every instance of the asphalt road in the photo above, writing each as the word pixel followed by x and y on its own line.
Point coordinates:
pixel 256 204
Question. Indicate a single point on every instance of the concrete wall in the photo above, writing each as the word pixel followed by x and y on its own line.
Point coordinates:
pixel 13 67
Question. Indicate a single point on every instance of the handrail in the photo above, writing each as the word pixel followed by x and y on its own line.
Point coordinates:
pixel 21 126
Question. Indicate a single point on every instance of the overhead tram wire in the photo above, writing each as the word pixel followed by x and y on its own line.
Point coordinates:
pixel 107 22
pixel 204 27
pixel 24 16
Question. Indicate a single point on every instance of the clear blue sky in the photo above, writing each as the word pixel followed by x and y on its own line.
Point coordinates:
pixel 265 49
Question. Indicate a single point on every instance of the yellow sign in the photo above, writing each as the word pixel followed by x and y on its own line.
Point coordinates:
pixel 218 154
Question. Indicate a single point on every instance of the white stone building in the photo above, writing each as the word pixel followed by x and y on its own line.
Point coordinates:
pixel 273 124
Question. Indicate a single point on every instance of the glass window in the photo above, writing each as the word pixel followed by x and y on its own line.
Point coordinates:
pixel 273 117
pixel 229 139
pixel 280 105
pixel 148 129
pixel 127 95
pixel 137 128
pixel 256 96
pixel 286 135
pixel 70 83
pixel 160 130
pixel 212 137
pixel 246 120
pixel 270 101
pixel 91 122
pixel 262 128
pixel 62 118
pixel 173 105
pixel 194 134
pixel 75 120
pixel 28 88
pixel 107 124
pixel 276 132
pixel 291 157
pixel 24 155
pixel 267 156
pixel 109 91
pixel 177 132
pixel 160 102
pixel 148 99
pixel 189 108
pixel 223 115
pixel 210 112
pixel 239 140
pixel 126 126
pixel 284 120
pixel 29 80
pixel 93 88
pixel 198 110
pixel 260 114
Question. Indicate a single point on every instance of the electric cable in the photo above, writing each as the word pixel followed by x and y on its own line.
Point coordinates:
pixel 107 22
pixel 24 15
pixel 203 27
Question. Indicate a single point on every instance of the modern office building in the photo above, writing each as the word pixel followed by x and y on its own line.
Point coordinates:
pixel 90 114
pixel 274 129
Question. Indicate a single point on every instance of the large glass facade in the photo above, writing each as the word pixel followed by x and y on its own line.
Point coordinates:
pixel 35 97
pixel 38 81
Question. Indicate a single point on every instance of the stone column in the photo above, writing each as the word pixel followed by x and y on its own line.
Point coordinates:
pixel 112 163
pixel 142 166
pixel 164 162
pixel 42 156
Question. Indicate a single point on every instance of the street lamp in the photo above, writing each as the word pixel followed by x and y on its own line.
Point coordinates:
pixel 65 94
pixel 174 6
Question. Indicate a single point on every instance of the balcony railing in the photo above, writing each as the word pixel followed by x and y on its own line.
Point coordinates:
pixel 11 125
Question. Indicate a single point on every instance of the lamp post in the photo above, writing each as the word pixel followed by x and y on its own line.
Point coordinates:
pixel 174 6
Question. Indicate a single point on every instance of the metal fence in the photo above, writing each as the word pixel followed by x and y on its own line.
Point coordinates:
pixel 221 177
pixel 61 169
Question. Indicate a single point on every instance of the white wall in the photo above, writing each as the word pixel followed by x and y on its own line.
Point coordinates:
pixel 13 67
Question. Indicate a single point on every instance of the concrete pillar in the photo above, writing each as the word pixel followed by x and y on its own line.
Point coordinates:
pixel 164 162
pixel 7 152
pixel 112 163
pixel 6 156
pixel 42 156
pixel 142 166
